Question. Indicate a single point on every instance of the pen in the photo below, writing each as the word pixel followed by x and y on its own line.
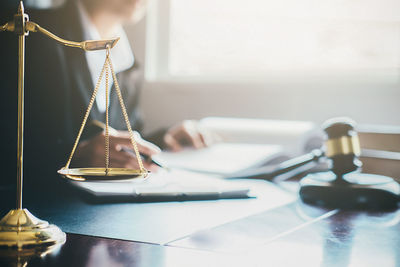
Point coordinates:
pixel 146 158
pixel 153 161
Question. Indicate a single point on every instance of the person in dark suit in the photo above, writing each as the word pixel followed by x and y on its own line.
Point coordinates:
pixel 59 83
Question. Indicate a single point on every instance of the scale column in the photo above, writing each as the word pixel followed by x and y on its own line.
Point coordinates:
pixel 20 146
pixel 19 21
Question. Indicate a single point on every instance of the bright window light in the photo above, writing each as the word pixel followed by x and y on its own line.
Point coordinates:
pixel 236 38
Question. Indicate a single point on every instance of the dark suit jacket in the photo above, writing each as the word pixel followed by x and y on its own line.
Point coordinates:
pixel 58 87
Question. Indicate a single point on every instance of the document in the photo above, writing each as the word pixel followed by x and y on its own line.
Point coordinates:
pixel 222 159
pixel 166 185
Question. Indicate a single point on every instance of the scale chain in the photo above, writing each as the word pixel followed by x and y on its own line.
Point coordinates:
pixel 107 136
pixel 125 114
pixel 106 68
pixel 89 108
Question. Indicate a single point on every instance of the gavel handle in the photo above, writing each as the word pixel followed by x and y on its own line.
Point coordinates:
pixel 269 172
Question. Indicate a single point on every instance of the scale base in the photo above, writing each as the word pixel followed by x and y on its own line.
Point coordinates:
pixel 354 191
pixel 20 230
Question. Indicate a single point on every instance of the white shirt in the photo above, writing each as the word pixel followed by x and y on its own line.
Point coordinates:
pixel 121 55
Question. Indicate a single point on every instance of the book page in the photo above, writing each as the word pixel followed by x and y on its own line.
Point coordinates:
pixel 223 158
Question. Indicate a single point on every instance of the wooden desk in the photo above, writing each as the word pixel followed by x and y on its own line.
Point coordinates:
pixel 280 237
pixel 197 234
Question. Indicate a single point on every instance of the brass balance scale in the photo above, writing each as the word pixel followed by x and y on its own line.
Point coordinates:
pixel 19 229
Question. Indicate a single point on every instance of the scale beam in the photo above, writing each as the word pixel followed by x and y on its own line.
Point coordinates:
pixel 25 26
pixel 90 45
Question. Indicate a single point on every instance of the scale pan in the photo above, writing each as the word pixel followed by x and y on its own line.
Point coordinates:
pixel 100 174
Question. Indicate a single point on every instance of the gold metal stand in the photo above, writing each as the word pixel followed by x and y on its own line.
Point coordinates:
pixel 19 229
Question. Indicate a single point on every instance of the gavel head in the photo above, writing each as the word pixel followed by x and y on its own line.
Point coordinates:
pixel 342 145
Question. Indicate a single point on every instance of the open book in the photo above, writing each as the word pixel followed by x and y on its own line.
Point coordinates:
pixel 221 159
pixel 245 144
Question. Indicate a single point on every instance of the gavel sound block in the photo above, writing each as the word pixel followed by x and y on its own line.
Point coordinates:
pixel 344 186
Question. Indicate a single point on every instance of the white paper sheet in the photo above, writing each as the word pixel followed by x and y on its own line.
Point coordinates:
pixel 168 184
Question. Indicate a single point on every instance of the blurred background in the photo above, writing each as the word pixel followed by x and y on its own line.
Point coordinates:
pixel 288 59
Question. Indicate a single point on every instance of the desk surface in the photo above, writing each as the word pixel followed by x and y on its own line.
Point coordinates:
pixel 248 232
pixel 335 238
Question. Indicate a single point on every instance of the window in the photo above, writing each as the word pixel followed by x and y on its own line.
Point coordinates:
pixel 236 39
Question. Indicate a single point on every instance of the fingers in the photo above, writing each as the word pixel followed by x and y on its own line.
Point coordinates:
pixel 128 158
pixel 191 133
pixel 172 143
pixel 122 159
pixel 186 134
pixel 93 151
pixel 116 140
pixel 146 147
pixel 123 139
pixel 121 156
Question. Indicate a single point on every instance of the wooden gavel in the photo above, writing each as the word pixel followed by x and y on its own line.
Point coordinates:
pixel 343 185
pixel 341 150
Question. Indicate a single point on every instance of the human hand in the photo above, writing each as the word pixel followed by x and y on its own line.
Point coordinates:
pixel 91 152
pixel 188 134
